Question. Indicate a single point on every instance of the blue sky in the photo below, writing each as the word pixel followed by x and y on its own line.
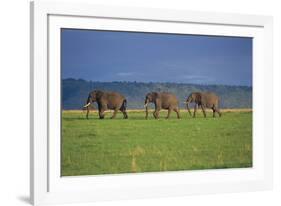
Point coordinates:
pixel 151 57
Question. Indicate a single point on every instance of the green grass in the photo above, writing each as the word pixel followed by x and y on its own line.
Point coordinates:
pixel 91 147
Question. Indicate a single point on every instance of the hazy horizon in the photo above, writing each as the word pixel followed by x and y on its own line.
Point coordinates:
pixel 138 82
pixel 109 56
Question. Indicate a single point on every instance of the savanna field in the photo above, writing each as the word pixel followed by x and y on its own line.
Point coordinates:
pixel 111 146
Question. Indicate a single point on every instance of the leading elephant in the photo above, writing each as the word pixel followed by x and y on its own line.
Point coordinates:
pixel 204 100
pixel 162 100
pixel 107 100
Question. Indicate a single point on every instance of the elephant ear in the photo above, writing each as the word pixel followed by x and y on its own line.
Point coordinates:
pixel 98 93
pixel 155 95
pixel 198 97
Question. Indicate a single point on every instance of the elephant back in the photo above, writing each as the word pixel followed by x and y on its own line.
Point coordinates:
pixel 113 98
pixel 210 99
pixel 169 100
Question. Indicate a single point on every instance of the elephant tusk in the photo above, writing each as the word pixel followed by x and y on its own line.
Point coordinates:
pixel 184 102
pixel 87 105
pixel 145 105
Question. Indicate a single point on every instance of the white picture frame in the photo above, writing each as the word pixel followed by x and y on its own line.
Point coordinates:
pixel 47 186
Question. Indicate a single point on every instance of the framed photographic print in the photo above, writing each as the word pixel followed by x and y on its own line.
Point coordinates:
pixel 133 103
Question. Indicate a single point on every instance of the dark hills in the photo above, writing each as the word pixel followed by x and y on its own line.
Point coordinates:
pixel 75 92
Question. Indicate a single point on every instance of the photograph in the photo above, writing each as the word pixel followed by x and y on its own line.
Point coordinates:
pixel 138 102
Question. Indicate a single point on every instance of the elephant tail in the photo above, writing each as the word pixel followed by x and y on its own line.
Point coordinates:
pixel 124 105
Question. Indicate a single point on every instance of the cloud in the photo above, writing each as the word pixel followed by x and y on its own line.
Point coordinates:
pixel 125 74
pixel 197 78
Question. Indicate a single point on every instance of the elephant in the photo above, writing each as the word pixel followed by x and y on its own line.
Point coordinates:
pixel 107 100
pixel 204 100
pixel 162 100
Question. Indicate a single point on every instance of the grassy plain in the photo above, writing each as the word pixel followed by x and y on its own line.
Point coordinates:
pixel 111 146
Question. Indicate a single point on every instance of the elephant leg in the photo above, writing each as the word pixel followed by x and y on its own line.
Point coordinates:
pixel 124 113
pixel 203 109
pixel 178 112
pixel 87 115
pixel 218 111
pixel 214 112
pixel 169 112
pixel 195 109
pixel 123 110
pixel 215 109
pixel 101 114
pixel 102 109
pixel 114 114
pixel 156 114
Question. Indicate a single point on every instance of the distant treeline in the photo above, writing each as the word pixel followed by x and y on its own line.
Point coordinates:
pixel 75 92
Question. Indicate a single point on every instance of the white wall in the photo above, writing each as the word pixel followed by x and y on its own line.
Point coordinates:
pixel 14 104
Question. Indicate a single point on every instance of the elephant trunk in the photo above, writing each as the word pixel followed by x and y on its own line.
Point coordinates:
pixel 89 101
pixel 187 107
pixel 87 115
pixel 146 108
pixel 146 112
